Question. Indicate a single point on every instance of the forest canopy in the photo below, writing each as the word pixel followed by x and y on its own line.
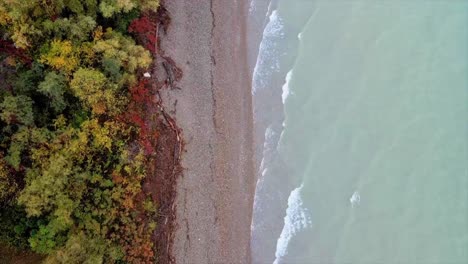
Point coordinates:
pixel 73 148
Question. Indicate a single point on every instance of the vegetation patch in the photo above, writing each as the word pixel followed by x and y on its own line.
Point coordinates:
pixel 81 130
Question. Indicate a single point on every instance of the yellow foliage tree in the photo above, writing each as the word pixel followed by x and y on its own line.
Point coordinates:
pixel 4 17
pixel 93 88
pixel 61 56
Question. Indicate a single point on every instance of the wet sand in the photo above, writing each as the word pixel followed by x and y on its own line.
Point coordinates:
pixel 207 41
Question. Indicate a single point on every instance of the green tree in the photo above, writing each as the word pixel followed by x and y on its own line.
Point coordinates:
pixel 54 87
pixel 93 88
pixel 110 7
pixel 17 110
pixel 82 249
pixel 116 46
pixel 75 28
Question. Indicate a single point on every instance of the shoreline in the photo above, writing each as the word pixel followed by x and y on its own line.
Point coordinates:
pixel 214 110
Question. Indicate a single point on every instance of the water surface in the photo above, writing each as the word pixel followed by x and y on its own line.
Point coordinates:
pixel 374 144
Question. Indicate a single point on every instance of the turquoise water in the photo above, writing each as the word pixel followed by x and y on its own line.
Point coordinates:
pixel 375 129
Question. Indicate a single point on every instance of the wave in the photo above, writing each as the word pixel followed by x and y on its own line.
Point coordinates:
pixel 268 145
pixel 297 218
pixel 267 66
pixel 270 83
pixel 286 90
pixel 268 60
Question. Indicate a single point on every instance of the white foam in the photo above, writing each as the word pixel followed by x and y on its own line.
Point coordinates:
pixel 297 218
pixel 286 90
pixel 268 62
pixel 355 199
pixel 269 134
pixel 275 25
pixel 252 6
pixel 299 36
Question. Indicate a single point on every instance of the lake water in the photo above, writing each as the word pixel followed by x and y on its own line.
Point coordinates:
pixel 362 108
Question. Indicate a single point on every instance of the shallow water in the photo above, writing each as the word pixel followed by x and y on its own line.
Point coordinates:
pixel 370 162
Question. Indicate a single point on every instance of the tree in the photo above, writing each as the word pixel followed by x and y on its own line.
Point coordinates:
pixel 96 91
pixel 54 87
pixel 60 55
pixel 145 31
pixel 115 46
pixel 74 146
pixel 110 7
pixel 82 249
pixel 17 110
pixel 46 185
pixel 8 185
pixel 75 28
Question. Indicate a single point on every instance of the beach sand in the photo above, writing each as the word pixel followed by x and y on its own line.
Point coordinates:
pixel 207 41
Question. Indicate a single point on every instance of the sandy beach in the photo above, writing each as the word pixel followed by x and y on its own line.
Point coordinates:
pixel 214 109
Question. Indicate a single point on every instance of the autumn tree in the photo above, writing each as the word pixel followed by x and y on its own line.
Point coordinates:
pixel 73 152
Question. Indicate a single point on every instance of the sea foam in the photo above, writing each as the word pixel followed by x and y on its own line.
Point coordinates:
pixel 268 62
pixel 297 218
pixel 269 134
pixel 286 90
pixel 299 36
